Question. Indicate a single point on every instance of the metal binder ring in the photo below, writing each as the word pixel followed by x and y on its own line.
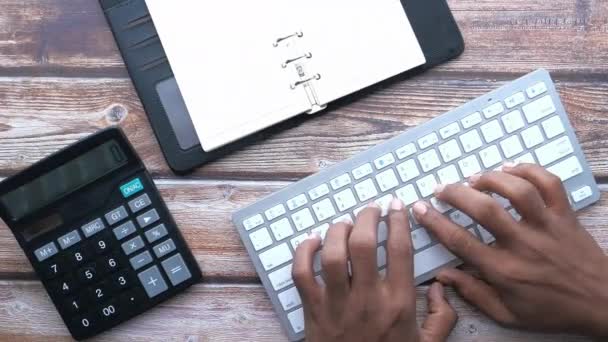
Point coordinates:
pixel 298 34
pixel 315 77
pixel 287 62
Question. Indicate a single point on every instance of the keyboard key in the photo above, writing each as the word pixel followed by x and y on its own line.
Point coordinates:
pixel 381 256
pixel 385 203
pixel 124 230
pixel 492 131
pixel 116 215
pixel 429 160
pixel 343 218
pixel 303 219
pixel 296 319
pixel 420 239
pixel 152 281
pixel 407 194
pixel 295 242
pixel 486 236
pixel 490 156
pixel 471 141
pixel 253 222
pixel 515 215
pixel 281 229
pixel 382 232
pixel 406 151
pixel 93 228
pixel 469 166
pixel 567 169
pixel 281 278
pixel 581 194
pixel 532 137
pixel 133 245
pixel 442 207
pixel 321 230
pixel 513 121
pixel 387 180
pixel 141 260
pixel 449 130
pixel 275 256
pixel 140 203
pixel 501 200
pixel 427 185
pixel 461 219
pixel 450 151
pixel 148 218
pixel 493 110
pixel 431 258
pixel 297 202
pixel 553 127
pixel 274 212
pixel 318 192
pixel 408 170
pixel 366 190
pixel 340 182
pixel 260 239
pixel 156 233
pixel 345 200
pixel 471 120
pixel 68 240
pixel 515 100
pixel 527 158
pixel 554 151
pixel 511 146
pixel 428 141
pixel 384 161
pixel 324 209
pixel 176 269
pixel 539 109
pixel 290 299
pixel 362 171
pixel 537 89
pixel 448 175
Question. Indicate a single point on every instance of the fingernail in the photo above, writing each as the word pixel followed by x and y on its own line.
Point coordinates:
pixel 474 178
pixel 439 188
pixel 347 220
pixel 420 209
pixel 396 204
pixel 373 205
pixel 508 165
pixel 313 236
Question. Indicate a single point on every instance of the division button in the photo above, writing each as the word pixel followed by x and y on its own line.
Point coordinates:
pixel 176 269
pixel 147 218
pixel 116 215
pixel 124 230
pixel 46 251
pixel 152 281
pixel 69 239
pixel 139 203
pixel 93 227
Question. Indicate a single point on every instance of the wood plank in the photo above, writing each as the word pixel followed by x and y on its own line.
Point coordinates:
pixel 67 37
pixel 40 115
pixel 212 313
pixel 203 213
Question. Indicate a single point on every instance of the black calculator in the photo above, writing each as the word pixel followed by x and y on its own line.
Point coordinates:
pixel 93 225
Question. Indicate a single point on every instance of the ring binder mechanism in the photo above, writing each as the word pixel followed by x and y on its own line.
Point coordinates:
pixel 305 81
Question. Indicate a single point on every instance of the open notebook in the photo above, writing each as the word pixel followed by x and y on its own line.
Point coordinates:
pixel 244 65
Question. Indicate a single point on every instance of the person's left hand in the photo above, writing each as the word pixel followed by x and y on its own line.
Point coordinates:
pixel 367 307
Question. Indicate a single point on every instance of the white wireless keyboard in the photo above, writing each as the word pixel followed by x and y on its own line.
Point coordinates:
pixel 523 121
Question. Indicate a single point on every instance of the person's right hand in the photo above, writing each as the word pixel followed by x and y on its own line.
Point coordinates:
pixel 544 273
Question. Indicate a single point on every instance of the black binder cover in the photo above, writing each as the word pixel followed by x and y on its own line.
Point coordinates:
pixel 151 73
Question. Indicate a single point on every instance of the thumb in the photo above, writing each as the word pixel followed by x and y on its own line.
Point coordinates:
pixel 442 317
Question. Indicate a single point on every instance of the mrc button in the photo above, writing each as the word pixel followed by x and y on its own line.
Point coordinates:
pixel 93 228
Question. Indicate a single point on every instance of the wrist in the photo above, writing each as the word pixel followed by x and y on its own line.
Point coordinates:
pixel 599 308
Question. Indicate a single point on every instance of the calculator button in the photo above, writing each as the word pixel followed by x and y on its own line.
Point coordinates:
pixel 124 230
pixel 134 297
pixel 87 274
pixel 116 215
pixel 156 233
pixel 84 324
pixel 69 239
pixel 78 256
pixel 176 269
pixel 131 188
pixel 46 251
pixel 74 305
pixel 141 260
pixel 147 218
pixel 109 311
pixel 152 281
pixel 140 203
pixel 93 228
pixel 53 268
pixel 164 248
pixel 111 263
pixel 121 281
pixel 66 286
pixel 99 293
pixel 102 245
pixel 133 245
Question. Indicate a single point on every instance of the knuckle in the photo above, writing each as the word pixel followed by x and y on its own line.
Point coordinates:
pixel 362 243
pixel 457 238
pixel 332 259
pixel 525 191
pixel 489 209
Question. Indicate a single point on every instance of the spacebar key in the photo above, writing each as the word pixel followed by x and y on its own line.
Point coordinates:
pixel 431 258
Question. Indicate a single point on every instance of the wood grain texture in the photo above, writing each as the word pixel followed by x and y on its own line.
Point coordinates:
pixel 213 313
pixel 203 212
pixel 40 115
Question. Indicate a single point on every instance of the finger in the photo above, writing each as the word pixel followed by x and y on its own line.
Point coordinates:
pixel 550 186
pixel 362 246
pixel 478 293
pixel 334 260
pixel 481 207
pixel 400 271
pixel 303 270
pixel 454 237
pixel 442 317
pixel 524 196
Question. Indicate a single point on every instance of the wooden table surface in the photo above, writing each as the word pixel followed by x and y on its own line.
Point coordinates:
pixel 62 78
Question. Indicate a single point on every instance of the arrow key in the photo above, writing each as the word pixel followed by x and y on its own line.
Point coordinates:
pixel 147 218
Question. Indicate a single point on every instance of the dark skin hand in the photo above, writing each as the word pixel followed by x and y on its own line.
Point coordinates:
pixel 367 307
pixel 544 273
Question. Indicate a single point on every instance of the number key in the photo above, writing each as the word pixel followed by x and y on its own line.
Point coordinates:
pixel 78 256
pixel 84 324
pixel 111 263
pixel 109 311
pixel 102 245
pixel 121 281
pixel 87 274
pixel 74 305
pixel 99 293
pixel 51 269
pixel 66 286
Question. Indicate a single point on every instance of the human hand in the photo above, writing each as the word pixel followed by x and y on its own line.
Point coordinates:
pixel 545 272
pixel 366 307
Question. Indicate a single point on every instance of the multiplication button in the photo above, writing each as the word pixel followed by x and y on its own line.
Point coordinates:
pixel 139 203
pixel 176 269
pixel 133 245
pixel 152 281
pixel 147 218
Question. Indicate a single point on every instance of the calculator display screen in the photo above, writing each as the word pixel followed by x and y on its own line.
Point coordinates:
pixel 63 180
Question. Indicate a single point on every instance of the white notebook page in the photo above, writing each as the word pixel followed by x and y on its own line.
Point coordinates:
pixel 228 71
